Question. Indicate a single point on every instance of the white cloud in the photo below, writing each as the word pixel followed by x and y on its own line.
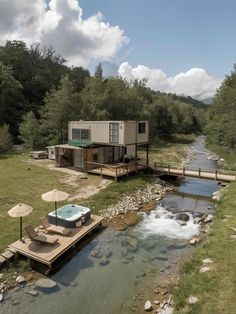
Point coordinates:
pixel 195 83
pixel 60 24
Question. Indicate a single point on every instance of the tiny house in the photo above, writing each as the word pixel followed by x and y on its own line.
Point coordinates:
pixel 101 142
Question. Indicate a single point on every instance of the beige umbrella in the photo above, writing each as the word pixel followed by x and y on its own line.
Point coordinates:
pixel 55 196
pixel 19 211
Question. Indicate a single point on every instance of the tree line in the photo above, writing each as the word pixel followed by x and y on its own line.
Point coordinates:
pixel 221 125
pixel 40 94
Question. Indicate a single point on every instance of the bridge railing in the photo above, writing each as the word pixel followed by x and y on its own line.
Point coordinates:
pixel 185 170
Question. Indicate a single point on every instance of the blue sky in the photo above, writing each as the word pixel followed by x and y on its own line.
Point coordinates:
pixel 178 46
pixel 173 35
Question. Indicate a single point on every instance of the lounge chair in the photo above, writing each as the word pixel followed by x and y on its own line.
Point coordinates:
pixel 54 229
pixel 34 236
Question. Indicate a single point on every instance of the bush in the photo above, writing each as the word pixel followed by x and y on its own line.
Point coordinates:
pixel 5 139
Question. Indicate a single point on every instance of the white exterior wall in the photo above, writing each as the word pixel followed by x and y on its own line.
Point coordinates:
pixel 131 134
pixel 51 152
pixel 99 130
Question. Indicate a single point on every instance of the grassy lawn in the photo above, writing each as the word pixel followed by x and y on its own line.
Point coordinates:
pixel 215 289
pixel 169 153
pixel 229 156
pixel 22 182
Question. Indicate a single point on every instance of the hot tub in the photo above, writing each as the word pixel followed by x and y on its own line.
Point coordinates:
pixel 69 215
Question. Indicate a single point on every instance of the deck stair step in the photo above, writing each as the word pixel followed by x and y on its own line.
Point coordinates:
pixel 7 254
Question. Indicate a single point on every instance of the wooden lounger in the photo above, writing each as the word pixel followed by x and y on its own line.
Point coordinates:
pixel 43 238
pixel 54 229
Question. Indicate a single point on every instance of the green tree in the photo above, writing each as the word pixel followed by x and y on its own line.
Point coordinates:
pixel 11 99
pixel 29 131
pixel 220 128
pixel 98 71
pixel 61 106
pixel 5 138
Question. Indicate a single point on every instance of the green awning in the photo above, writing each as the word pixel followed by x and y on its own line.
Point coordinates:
pixel 81 143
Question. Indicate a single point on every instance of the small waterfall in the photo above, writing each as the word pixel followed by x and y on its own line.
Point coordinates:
pixel 163 223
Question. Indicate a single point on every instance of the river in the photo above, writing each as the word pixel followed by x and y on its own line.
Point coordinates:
pixel 146 253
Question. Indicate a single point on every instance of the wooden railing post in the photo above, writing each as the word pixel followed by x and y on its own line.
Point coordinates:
pixel 155 166
pixel 199 172
pixel 184 171
pixel 168 169
pixel 216 174
pixel 127 169
pixel 116 174
pixel 101 171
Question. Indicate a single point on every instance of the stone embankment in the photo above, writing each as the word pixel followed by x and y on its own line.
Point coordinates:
pixel 136 201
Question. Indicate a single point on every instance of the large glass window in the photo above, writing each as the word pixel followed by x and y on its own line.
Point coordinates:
pixel 80 134
pixel 114 132
pixel 142 128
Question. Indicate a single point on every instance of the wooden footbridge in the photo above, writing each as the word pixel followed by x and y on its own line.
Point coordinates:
pixel 202 173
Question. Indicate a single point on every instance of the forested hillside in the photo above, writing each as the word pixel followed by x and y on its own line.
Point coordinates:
pixel 40 94
pixel 221 127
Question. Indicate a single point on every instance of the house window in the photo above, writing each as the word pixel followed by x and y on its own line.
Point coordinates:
pixel 80 134
pixel 114 132
pixel 142 128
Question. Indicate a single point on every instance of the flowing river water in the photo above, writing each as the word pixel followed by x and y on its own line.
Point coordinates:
pixel 145 253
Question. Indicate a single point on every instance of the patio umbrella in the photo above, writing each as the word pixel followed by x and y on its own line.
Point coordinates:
pixel 19 211
pixel 55 196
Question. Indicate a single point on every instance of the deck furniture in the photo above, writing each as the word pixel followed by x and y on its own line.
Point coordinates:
pixel 35 236
pixel 53 228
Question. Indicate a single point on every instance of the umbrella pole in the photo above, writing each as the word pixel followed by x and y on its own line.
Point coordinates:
pixel 21 229
pixel 56 212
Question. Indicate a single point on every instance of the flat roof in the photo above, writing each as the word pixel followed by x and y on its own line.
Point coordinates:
pixel 68 146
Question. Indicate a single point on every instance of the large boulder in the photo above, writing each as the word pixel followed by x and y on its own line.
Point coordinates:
pixel 45 283
pixel 148 306
pixel 182 217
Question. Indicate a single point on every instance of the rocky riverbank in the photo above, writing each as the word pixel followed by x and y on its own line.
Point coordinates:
pixel 125 211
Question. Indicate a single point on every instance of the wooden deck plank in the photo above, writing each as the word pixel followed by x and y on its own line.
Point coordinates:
pixel 47 254
pixel 111 172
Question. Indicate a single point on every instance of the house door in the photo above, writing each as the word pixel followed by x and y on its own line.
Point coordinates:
pixel 111 154
pixel 78 158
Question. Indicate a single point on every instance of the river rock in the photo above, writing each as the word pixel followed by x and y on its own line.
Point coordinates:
pixel 83 176
pixel 1 297
pixel 208 218
pixel 160 257
pixel 233 236
pixel 45 283
pixel 20 279
pixel 104 262
pixel 1 276
pixel 182 216
pixel 1 285
pixel 148 306
pixel 204 269
pixel 192 299
pixel 34 293
pixel 207 261
pixel 194 241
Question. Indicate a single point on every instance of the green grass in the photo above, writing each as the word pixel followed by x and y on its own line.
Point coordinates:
pixel 215 289
pixel 169 153
pixel 115 190
pixel 22 182
pixel 229 156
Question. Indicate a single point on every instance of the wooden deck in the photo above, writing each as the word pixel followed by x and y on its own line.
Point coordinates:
pixel 211 174
pixel 116 170
pixel 47 254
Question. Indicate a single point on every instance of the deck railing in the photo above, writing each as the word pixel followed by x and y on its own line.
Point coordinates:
pixel 117 170
pixel 186 170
